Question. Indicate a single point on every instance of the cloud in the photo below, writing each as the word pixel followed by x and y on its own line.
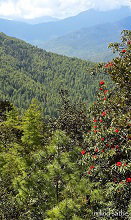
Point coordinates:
pixel 57 8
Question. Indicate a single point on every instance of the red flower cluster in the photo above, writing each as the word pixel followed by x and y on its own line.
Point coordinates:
pixel 102 139
pixel 119 164
pixel 117 130
pixel 102 82
pixel 103 113
pixel 115 180
pixel 83 152
pixel 104 98
pixel 95 120
pixel 96 150
pixel 105 91
pixel 128 42
pixel 100 88
pixel 124 51
pixel 128 180
pixel 95 126
pixel 108 64
pixel 91 167
pixel 100 120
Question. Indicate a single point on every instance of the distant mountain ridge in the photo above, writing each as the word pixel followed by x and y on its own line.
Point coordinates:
pixel 89 43
pixel 46 31
pixel 38 20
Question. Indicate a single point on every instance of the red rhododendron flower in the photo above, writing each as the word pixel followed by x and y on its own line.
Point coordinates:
pixel 95 120
pixel 102 82
pixel 124 164
pixel 117 130
pixel 118 164
pixel 96 150
pixel 95 126
pixel 115 180
pixel 100 120
pixel 117 147
pixel 123 51
pixel 95 130
pixel 128 42
pixel 105 91
pixel 106 66
pixel 100 88
pixel 102 139
pixel 83 152
pixel 129 137
pixel 91 167
pixel 104 98
pixel 102 150
pixel 89 172
pixel 103 113
pixel 128 180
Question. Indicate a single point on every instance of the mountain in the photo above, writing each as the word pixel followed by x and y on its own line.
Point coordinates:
pixel 28 72
pixel 41 32
pixel 38 20
pixel 15 28
pixel 89 43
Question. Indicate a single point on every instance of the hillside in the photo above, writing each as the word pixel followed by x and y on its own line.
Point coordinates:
pixel 73 167
pixel 89 43
pixel 29 72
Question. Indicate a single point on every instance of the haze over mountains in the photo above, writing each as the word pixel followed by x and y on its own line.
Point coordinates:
pixel 89 43
pixel 87 30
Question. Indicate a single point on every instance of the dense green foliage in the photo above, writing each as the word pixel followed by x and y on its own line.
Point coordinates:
pixel 76 166
pixel 28 72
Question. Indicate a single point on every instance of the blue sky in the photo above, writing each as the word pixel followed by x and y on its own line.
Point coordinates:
pixel 30 9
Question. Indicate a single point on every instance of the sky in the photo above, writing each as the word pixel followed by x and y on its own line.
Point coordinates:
pixel 30 9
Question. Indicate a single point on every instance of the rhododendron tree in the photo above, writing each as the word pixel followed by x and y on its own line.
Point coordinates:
pixel 112 137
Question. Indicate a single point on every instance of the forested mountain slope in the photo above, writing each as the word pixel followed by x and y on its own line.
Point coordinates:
pixel 89 43
pixel 73 167
pixel 29 72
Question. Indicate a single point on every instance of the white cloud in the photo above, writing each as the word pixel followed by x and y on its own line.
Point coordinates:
pixel 56 8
